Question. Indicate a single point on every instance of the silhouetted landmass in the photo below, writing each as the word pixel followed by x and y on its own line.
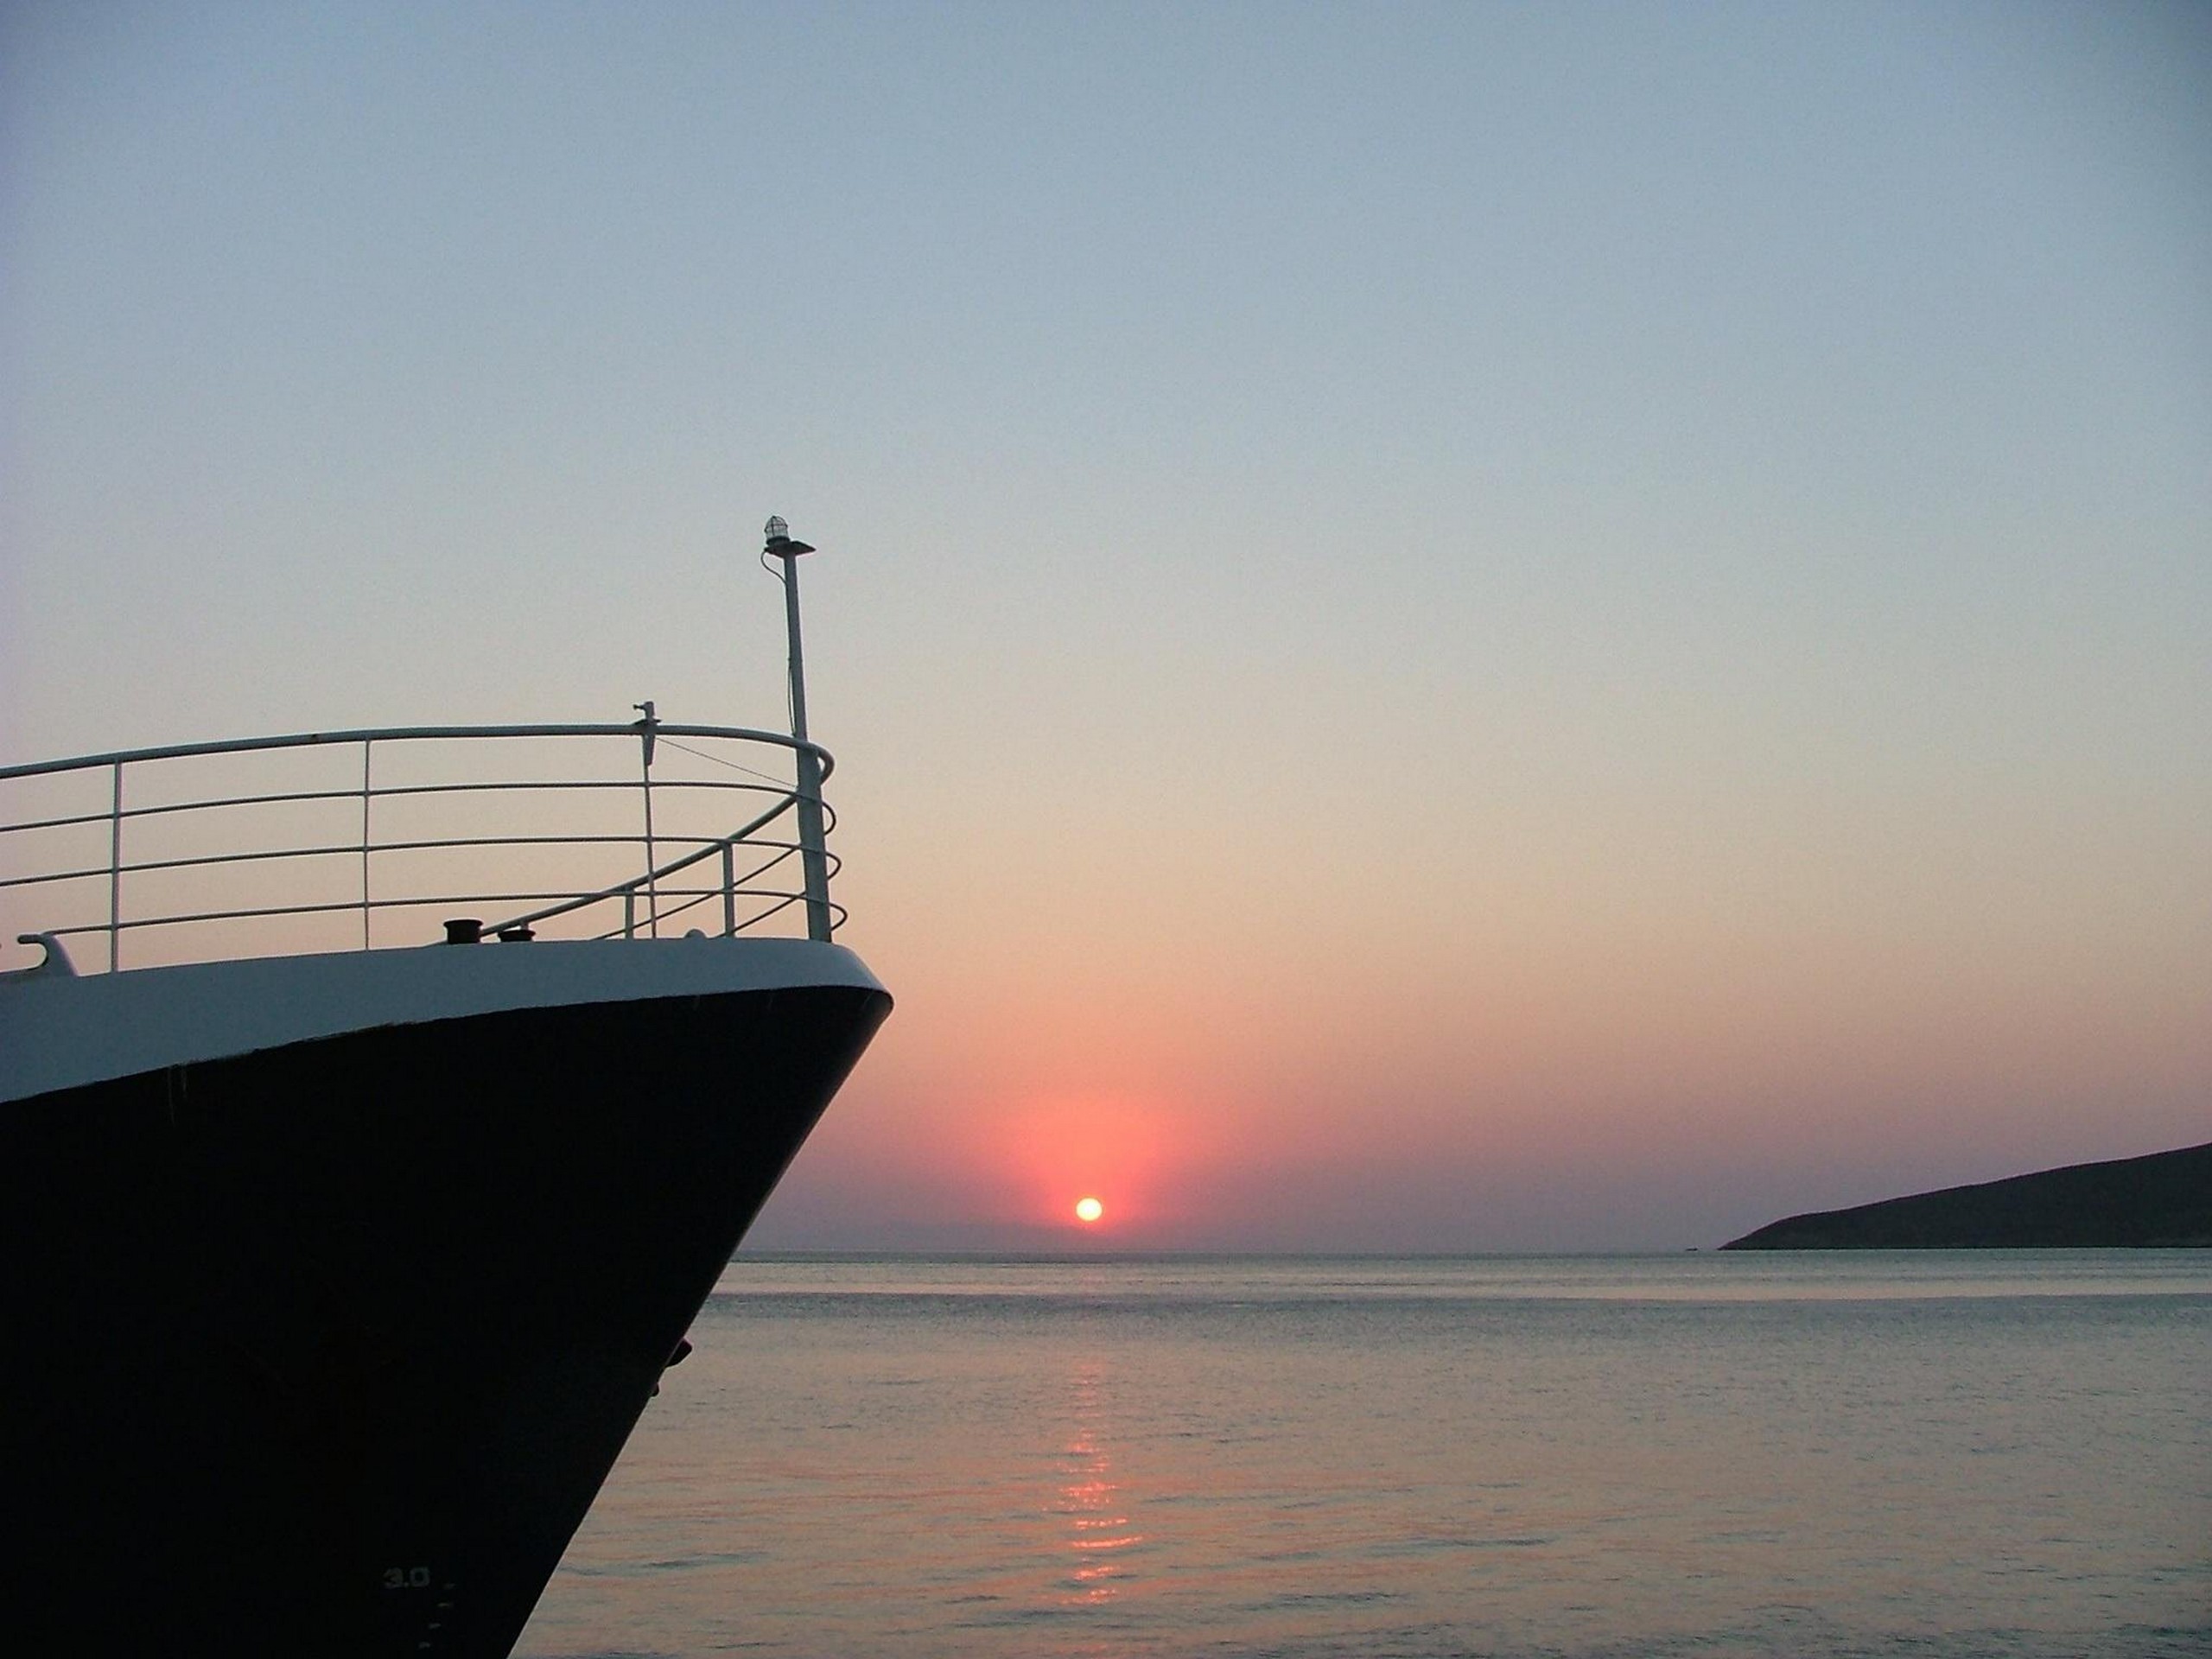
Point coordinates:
pixel 2161 1200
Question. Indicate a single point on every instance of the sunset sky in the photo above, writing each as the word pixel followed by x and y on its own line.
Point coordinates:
pixel 1453 627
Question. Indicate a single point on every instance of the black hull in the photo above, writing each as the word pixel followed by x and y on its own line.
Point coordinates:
pixel 326 1350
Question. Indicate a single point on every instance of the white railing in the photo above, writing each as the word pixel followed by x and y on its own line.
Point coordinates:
pixel 404 835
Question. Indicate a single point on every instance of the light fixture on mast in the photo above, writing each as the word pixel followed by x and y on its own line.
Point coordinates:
pixel 814 859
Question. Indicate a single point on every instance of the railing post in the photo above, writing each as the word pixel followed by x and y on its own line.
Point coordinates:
pixel 629 912
pixel 364 842
pixel 729 891
pixel 646 727
pixel 115 873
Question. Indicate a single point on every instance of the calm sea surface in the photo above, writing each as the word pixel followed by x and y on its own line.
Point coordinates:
pixel 2002 1453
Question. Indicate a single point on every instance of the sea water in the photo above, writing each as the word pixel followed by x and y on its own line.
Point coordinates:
pixel 1910 1454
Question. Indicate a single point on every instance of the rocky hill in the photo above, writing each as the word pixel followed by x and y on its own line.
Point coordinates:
pixel 2163 1199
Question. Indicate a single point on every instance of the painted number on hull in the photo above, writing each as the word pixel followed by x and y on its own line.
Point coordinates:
pixel 407 1578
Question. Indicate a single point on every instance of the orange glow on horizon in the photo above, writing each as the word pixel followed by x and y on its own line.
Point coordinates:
pixel 1127 1154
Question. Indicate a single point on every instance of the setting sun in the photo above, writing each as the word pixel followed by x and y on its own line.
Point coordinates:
pixel 1089 1210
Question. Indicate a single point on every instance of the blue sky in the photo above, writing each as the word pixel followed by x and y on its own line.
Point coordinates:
pixel 1638 569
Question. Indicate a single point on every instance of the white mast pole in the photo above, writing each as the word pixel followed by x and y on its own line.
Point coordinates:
pixel 814 859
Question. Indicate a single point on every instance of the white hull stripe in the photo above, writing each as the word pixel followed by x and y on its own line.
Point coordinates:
pixel 59 1032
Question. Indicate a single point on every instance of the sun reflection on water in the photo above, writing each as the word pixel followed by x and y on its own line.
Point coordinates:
pixel 1098 1527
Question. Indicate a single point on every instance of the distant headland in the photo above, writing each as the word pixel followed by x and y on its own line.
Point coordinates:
pixel 2162 1200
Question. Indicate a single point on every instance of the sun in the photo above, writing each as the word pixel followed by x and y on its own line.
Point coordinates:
pixel 1087 1210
